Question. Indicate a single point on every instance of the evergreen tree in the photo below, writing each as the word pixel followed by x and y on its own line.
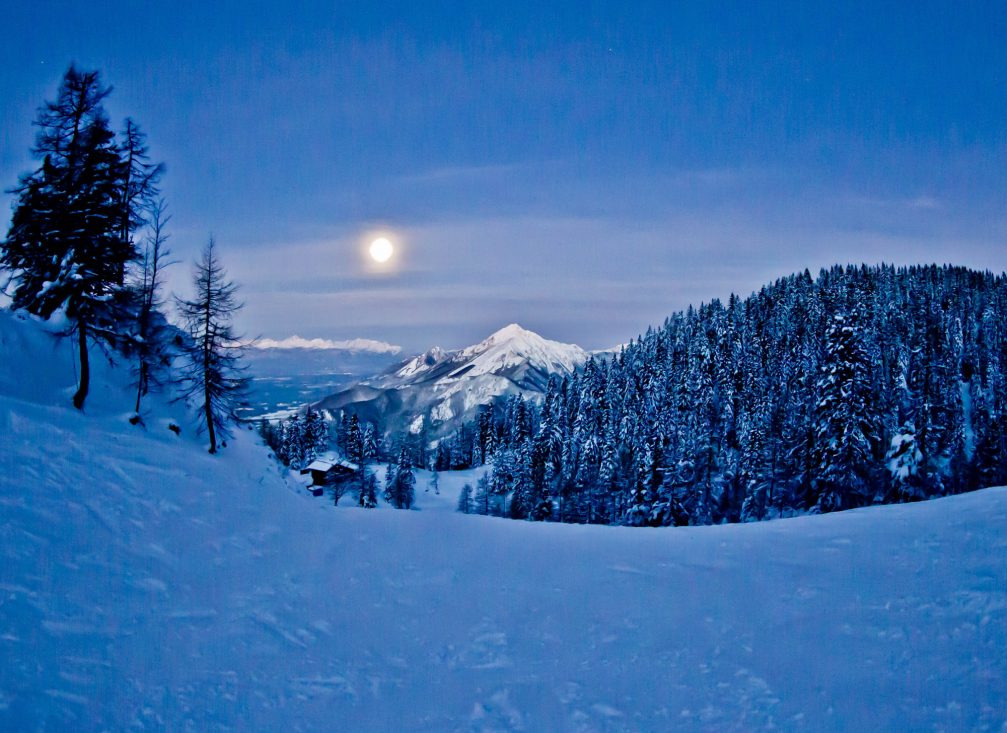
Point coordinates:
pixel 390 486
pixel 903 462
pixel 842 421
pixel 400 485
pixel 64 249
pixel 369 490
pixel 481 503
pixel 465 499
pixel 315 435
pixel 354 441
pixel 369 443
pixel 503 479
pixel 293 442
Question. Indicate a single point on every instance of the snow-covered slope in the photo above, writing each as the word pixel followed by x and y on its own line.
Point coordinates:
pixel 445 388
pixel 145 585
pixel 420 364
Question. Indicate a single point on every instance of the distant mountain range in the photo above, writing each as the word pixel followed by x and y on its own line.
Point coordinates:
pixel 288 373
pixel 441 389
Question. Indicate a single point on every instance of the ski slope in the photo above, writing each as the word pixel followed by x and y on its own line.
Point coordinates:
pixel 146 585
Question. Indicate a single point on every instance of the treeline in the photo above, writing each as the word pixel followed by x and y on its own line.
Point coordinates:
pixel 88 240
pixel 298 440
pixel 866 385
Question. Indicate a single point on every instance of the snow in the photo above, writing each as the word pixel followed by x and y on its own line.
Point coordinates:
pixel 479 390
pixel 513 346
pixel 146 585
pixel 422 363
pixel 442 412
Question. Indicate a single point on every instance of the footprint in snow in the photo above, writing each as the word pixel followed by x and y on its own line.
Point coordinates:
pixel 496 715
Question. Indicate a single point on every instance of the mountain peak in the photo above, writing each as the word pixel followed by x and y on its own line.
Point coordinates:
pixel 510 331
pixel 514 347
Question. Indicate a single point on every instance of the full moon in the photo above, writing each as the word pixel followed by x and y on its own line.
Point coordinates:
pixel 381 250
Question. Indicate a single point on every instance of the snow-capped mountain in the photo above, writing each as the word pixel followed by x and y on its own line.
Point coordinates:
pixel 441 389
pixel 514 352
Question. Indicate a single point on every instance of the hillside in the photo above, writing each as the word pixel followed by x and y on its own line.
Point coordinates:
pixel 866 385
pixel 146 585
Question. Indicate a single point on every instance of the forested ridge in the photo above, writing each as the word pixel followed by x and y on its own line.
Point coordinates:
pixel 870 384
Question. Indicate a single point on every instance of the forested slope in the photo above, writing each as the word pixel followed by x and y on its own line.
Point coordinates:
pixel 866 385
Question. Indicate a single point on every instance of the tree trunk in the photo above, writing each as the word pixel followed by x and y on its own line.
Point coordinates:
pixel 141 386
pixel 85 367
pixel 207 349
pixel 209 421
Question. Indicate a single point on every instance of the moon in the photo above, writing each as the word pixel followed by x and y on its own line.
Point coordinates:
pixel 381 250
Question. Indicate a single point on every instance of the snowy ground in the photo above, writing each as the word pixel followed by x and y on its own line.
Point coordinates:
pixel 145 585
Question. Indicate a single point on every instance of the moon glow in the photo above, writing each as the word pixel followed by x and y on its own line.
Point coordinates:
pixel 381 250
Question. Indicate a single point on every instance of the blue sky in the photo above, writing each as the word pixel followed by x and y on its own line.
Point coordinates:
pixel 584 169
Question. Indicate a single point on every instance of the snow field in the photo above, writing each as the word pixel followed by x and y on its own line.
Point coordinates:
pixel 145 585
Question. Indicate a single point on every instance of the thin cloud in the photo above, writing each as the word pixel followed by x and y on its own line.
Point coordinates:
pixel 450 174
pixel 320 344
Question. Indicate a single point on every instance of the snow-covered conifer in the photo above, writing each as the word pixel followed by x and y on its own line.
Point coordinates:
pixel 465 499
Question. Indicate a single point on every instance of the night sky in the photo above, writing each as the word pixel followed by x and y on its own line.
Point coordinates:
pixel 584 169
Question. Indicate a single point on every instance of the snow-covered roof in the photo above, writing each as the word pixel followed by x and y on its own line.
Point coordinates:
pixel 327 461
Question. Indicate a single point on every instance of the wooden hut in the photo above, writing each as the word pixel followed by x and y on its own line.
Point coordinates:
pixel 327 470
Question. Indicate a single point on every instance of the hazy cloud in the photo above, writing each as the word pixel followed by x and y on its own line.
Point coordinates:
pixel 319 344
